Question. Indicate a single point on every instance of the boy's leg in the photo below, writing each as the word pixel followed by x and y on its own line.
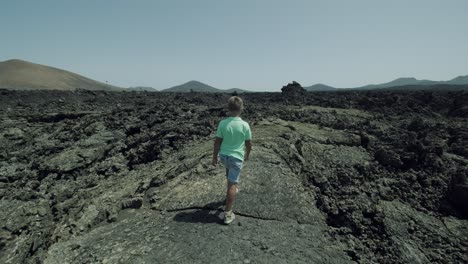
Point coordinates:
pixel 227 181
pixel 231 195
pixel 235 167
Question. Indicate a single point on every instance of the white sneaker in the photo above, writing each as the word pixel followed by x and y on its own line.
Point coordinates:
pixel 229 217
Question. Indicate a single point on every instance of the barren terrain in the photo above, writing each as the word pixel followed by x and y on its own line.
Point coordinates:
pixel 125 177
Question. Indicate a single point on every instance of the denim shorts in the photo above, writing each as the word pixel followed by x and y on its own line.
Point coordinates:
pixel 233 167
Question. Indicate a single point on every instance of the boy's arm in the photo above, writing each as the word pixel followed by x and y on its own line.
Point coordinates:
pixel 216 147
pixel 248 146
pixel 248 142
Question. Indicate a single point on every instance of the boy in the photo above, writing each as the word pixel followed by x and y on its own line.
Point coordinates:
pixel 232 135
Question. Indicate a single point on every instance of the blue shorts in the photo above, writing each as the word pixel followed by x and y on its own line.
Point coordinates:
pixel 233 167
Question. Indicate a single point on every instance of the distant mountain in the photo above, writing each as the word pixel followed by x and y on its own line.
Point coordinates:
pixel 319 88
pixel 458 80
pixel 232 90
pixel 434 87
pixel 196 86
pixel 399 82
pixel 141 89
pixel 23 75
pixel 408 82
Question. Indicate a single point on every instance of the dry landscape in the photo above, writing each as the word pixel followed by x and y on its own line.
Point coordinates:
pixel 334 177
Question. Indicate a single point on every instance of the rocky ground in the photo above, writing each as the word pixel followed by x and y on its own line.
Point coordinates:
pixel 109 177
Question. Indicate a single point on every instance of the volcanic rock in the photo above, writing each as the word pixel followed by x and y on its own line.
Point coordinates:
pixel 368 177
pixel 293 89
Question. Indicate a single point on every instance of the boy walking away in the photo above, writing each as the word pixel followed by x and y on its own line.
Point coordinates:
pixel 232 136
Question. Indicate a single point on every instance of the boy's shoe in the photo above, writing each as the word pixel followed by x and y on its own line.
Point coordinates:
pixel 229 217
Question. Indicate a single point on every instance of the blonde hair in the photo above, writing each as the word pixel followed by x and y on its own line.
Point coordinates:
pixel 235 104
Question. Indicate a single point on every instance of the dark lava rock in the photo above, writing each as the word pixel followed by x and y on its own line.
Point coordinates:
pixel 133 203
pixel 363 176
pixel 293 89
pixel 388 158
pixel 459 196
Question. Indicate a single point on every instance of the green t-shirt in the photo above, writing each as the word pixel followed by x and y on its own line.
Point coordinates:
pixel 234 131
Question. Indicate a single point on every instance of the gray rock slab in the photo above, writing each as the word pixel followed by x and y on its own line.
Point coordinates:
pixel 196 236
pixel 427 232
pixel 268 187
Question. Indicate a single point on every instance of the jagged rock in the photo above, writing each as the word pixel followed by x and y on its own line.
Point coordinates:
pixel 388 158
pixel 293 89
pixel 133 203
pixel 402 221
pixel 14 134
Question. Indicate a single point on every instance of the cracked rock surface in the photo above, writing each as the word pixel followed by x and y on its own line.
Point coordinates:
pixel 277 219
pixel 103 177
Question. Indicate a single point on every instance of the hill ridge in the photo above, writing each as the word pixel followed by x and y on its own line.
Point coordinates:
pixel 19 74
pixel 197 86
pixel 398 82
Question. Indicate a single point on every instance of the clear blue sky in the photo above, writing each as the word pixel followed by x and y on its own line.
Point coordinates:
pixel 252 44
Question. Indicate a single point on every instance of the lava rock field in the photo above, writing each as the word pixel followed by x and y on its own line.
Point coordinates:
pixel 334 177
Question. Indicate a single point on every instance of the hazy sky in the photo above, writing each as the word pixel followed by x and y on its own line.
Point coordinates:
pixel 251 44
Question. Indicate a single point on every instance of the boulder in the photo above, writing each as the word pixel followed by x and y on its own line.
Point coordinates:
pixel 293 89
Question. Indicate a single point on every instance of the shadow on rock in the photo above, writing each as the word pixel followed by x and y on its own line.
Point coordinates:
pixel 208 214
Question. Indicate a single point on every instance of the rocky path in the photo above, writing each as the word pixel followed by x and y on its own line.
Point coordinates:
pixel 277 220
